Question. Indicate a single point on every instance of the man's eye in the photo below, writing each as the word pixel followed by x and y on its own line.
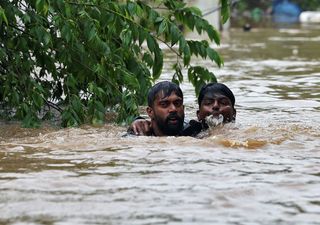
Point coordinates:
pixel 163 104
pixel 207 103
pixel 224 102
pixel 178 103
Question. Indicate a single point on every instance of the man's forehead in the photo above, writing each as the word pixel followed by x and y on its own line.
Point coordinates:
pixel 161 95
pixel 215 95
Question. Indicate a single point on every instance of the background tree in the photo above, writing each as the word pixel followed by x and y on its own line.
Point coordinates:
pixel 308 5
pixel 83 57
pixel 264 4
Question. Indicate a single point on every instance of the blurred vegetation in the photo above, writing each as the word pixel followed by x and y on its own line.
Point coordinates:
pixel 311 5
pixel 257 12
pixel 243 5
pixel 81 58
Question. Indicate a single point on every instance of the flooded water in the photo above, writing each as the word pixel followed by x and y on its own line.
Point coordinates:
pixel 264 169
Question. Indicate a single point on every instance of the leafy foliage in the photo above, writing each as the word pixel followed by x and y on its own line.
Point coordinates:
pixel 82 57
pixel 308 5
pixel 264 4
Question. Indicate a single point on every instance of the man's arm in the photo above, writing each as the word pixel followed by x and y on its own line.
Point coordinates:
pixel 140 126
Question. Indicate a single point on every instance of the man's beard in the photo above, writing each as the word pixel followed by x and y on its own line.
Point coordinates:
pixel 168 128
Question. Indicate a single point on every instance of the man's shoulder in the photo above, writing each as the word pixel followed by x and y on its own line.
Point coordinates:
pixel 192 128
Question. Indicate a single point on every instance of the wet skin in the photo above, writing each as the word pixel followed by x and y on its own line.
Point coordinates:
pixel 167 115
pixel 215 104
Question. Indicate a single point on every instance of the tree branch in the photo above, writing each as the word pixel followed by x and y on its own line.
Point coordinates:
pixel 131 21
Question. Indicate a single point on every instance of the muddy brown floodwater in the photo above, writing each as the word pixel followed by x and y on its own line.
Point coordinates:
pixel 264 169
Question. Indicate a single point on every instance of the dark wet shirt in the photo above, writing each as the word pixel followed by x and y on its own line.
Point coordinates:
pixel 191 128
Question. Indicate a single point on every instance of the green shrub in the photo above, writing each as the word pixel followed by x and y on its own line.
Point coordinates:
pixel 82 57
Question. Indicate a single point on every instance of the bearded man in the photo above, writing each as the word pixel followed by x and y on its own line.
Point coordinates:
pixel 165 109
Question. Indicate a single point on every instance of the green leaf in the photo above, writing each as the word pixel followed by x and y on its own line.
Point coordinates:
pixel 214 56
pixel 178 76
pixel 99 106
pixel 92 34
pixel 42 6
pixel 163 27
pixel 199 25
pixel 191 21
pixel 182 44
pixel 126 37
pixel 187 55
pixel 159 19
pixel 71 82
pixel 148 59
pixel 213 34
pixel 76 104
pixel 66 32
pixel 198 76
pixel 175 34
pixel 37 99
pixel 26 18
pixel 151 43
pixel 139 11
pixel 130 80
pixel 132 8
pixel 142 36
pixel 225 11
pixel 158 64
pixel 15 97
pixel 3 16
pixel 153 16
pixel 196 11
pixel 30 121
pixel 46 38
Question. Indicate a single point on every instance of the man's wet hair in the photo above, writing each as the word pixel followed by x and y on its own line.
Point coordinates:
pixel 216 88
pixel 166 87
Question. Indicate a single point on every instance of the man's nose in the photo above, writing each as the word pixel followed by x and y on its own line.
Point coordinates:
pixel 215 105
pixel 172 108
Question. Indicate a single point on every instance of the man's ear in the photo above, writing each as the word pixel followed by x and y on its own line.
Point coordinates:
pixel 234 114
pixel 150 112
pixel 198 114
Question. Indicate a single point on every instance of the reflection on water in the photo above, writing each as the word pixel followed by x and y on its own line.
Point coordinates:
pixel 264 169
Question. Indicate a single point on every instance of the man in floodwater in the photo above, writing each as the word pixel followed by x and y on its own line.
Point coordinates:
pixel 165 109
pixel 216 106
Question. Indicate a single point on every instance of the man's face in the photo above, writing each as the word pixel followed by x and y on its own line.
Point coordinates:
pixel 167 114
pixel 216 104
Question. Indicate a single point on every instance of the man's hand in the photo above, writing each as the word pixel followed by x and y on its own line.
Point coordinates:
pixel 140 127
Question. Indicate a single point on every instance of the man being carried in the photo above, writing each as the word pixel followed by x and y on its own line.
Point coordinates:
pixel 216 106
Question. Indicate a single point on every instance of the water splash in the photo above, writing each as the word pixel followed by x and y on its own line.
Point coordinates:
pixel 214 121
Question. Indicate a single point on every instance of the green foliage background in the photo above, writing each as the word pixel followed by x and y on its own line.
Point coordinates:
pixel 82 57
pixel 264 4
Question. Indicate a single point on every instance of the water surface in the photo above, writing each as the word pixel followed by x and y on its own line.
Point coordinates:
pixel 264 169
